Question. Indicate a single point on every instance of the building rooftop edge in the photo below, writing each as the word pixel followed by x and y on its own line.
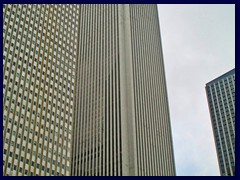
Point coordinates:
pixel 222 76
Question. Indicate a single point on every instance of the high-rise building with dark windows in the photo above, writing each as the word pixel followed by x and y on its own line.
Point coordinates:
pixel 221 101
pixel 122 124
pixel 84 91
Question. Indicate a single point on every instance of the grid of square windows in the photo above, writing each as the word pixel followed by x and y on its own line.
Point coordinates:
pixel 221 98
pixel 40 42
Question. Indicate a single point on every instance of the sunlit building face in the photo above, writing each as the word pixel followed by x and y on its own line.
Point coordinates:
pixel 40 44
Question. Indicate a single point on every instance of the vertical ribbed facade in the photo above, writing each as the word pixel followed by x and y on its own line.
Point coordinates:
pixel 221 101
pixel 97 129
pixel 39 65
pixel 153 132
pixel 122 123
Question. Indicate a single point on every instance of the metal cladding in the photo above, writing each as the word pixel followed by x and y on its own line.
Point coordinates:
pixel 97 128
pixel 122 124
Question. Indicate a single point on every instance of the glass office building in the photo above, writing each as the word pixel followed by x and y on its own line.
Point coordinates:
pixel 221 101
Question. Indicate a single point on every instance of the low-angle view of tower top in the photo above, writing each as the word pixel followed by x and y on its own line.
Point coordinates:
pixel 85 91
pixel 221 101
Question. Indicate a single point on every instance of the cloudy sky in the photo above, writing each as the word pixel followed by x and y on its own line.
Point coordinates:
pixel 198 46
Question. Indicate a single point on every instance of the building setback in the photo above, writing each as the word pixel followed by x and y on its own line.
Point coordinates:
pixel 84 91
pixel 221 101
pixel 122 124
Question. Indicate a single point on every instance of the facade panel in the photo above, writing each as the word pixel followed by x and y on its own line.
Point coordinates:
pixel 153 131
pixel 123 124
pixel 97 147
pixel 39 64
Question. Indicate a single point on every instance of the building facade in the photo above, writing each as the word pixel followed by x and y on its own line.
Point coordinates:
pixel 84 91
pixel 221 101
pixel 39 65
pixel 122 124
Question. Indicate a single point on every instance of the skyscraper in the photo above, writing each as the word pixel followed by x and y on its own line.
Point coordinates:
pixel 221 101
pixel 122 124
pixel 84 91
pixel 39 64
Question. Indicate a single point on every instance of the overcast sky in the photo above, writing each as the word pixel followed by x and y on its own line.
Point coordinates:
pixel 198 46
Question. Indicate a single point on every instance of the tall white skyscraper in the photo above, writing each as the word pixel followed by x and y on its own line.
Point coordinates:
pixel 122 124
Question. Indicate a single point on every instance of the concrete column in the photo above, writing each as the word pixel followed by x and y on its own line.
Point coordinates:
pixel 127 93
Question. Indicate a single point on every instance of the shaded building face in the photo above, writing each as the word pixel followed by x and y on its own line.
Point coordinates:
pixel 122 126
pixel 40 45
pixel 221 101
